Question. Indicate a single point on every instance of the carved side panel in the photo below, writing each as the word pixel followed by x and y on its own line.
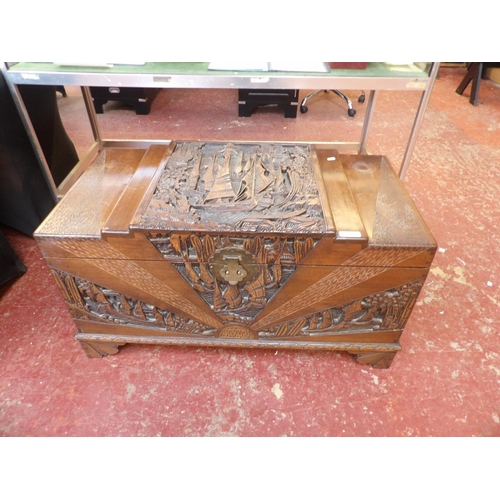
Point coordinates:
pixel 387 310
pixel 102 255
pixel 93 302
pixel 361 267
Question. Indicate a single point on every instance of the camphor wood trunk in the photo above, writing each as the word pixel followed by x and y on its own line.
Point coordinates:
pixel 239 245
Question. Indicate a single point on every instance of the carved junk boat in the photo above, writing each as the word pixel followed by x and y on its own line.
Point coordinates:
pixel 243 187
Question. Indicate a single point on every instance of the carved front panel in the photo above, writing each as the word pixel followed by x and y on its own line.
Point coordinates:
pixel 387 310
pixel 256 188
pixel 276 259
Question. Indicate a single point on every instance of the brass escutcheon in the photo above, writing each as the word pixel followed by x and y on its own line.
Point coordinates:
pixel 233 265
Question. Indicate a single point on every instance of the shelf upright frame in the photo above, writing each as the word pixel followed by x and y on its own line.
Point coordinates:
pixel 417 123
pixel 23 113
pixel 179 75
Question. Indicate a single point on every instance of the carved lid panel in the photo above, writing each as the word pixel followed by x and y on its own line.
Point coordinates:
pixel 237 188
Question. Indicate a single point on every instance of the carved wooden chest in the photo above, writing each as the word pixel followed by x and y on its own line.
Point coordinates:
pixel 239 245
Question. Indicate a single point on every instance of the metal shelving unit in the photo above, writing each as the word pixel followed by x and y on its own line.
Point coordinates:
pixel 376 77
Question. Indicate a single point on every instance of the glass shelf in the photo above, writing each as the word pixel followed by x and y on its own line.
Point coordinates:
pixel 376 76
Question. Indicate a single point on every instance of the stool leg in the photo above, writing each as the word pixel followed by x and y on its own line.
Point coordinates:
pixel 474 73
pixel 466 80
pixel 476 80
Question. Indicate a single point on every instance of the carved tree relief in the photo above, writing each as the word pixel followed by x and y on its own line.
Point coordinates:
pixel 275 257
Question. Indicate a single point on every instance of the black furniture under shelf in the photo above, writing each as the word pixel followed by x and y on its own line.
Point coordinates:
pixel 250 99
pixel 475 72
pixel 139 98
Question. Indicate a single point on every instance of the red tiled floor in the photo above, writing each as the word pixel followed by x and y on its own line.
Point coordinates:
pixel 444 382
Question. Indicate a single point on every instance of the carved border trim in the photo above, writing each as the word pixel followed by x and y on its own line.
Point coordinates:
pixel 324 346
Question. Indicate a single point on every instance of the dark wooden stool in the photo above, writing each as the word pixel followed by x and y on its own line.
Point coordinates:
pixel 248 100
pixel 140 98
pixel 475 73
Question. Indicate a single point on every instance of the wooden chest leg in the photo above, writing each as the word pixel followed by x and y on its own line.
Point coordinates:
pixel 95 349
pixel 375 358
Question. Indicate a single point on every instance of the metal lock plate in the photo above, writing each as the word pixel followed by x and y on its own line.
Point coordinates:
pixel 233 265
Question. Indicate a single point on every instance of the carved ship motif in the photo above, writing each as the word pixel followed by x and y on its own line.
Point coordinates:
pixel 245 188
